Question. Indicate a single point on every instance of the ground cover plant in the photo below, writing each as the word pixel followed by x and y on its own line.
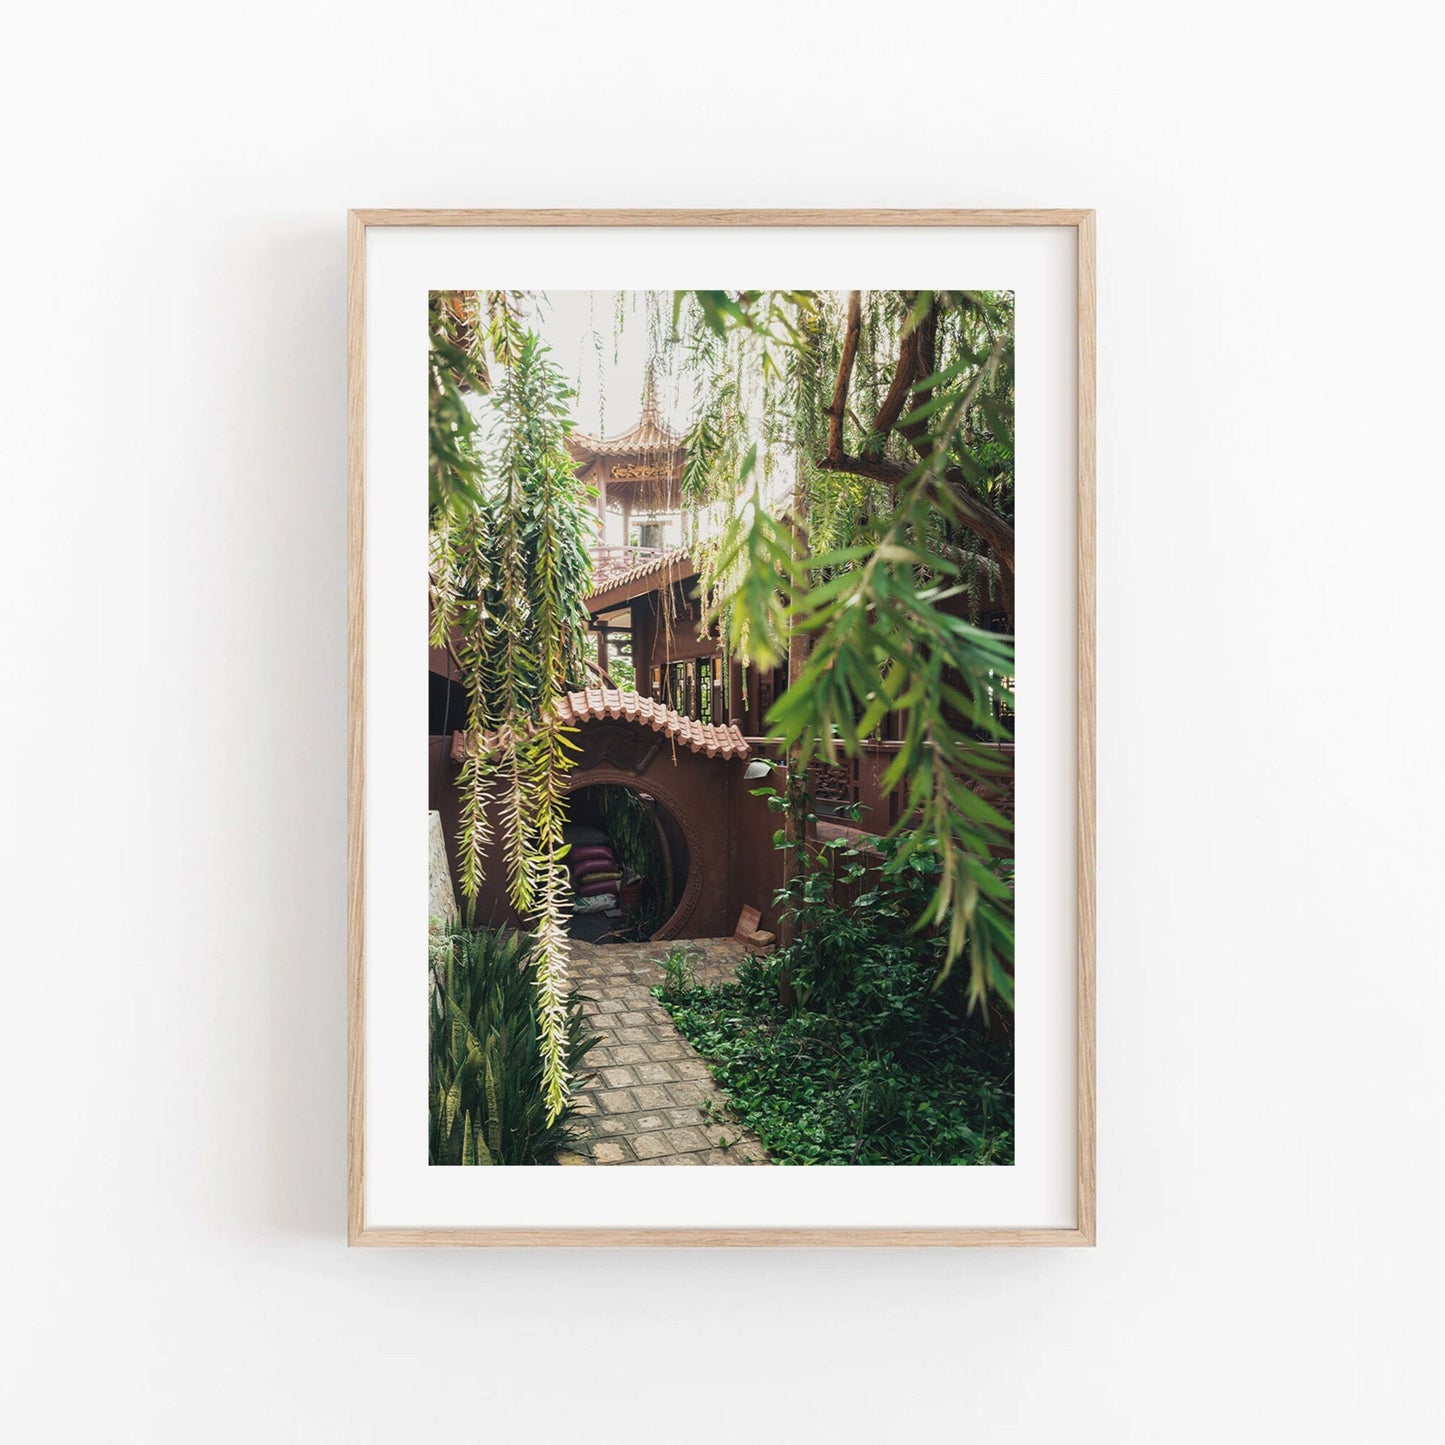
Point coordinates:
pixel 844 1047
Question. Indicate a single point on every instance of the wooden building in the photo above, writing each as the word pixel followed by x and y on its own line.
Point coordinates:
pixel 682 739
pixel 638 475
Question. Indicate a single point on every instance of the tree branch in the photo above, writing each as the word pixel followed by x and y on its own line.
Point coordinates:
pixel 971 513
pixel 839 407
pixel 924 364
pixel 915 361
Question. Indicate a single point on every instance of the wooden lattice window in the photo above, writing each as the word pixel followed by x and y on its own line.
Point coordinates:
pixel 704 691
pixel 835 787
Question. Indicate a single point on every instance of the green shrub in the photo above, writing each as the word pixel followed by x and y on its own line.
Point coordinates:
pixel 486 1081
pixel 879 1063
pixel 679 970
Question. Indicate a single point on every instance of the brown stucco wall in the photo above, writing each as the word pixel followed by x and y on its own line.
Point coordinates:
pixel 732 862
pixel 757 865
pixel 728 834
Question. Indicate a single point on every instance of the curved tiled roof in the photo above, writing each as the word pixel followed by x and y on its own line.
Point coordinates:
pixel 648 437
pixel 596 704
pixel 643 570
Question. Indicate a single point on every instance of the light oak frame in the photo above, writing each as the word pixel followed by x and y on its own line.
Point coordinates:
pixel 358 1232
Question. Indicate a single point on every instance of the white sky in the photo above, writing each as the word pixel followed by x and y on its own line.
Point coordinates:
pixel 607 369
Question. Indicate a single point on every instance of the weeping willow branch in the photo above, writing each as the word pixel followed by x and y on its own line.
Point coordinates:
pixel 915 361
pixel 510 574
pixel 897 554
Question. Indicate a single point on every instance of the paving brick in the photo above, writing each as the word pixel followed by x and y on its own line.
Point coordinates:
pixel 685 1140
pixel 684 1069
pixel 611 1151
pixel 616 1101
pixel 643 1088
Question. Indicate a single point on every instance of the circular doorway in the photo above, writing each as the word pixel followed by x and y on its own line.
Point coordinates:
pixel 634 876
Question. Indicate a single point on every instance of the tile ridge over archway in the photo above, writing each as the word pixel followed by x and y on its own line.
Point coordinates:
pixel 624 705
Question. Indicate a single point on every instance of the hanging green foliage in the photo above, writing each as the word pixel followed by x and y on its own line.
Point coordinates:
pixel 887 417
pixel 510 570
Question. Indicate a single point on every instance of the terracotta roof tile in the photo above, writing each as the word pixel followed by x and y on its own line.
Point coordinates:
pixel 644 440
pixel 595 703
pixel 643 571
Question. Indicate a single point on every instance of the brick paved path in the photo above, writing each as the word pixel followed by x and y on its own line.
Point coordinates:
pixel 650 1099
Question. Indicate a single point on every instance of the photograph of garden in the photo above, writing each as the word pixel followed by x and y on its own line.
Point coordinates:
pixel 721 700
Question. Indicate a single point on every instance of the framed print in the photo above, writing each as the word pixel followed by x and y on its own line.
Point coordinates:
pixel 758 687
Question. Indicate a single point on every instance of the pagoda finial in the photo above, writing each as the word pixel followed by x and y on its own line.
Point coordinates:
pixel 649 398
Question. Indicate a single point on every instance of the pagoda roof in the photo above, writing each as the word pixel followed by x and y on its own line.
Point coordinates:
pixel 649 437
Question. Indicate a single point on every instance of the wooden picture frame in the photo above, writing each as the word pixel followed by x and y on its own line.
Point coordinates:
pixel 360 1231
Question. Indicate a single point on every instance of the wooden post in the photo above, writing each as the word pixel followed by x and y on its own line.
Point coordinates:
pixel 644 629
pixel 602 648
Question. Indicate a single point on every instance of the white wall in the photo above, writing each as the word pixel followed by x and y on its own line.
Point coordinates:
pixel 171 719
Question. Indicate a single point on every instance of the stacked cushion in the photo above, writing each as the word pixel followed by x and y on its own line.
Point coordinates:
pixel 595 871
pixel 581 858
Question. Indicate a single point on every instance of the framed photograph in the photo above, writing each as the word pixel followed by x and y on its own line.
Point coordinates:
pixel 758 687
